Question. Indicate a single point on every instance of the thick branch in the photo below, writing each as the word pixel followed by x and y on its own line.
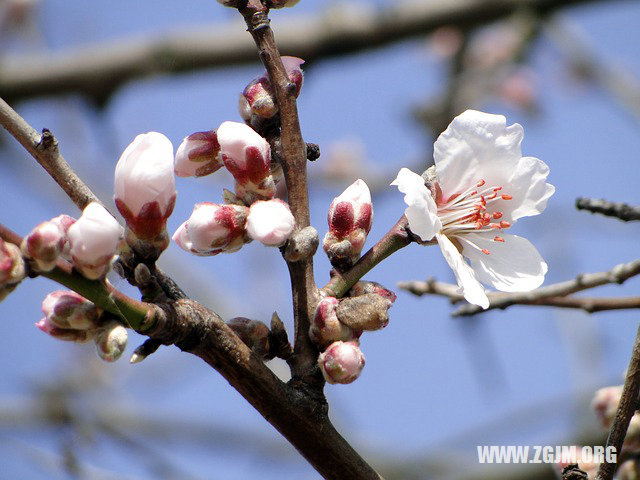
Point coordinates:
pixel 626 409
pixel 623 211
pixel 99 70
pixel 44 148
pixel 549 295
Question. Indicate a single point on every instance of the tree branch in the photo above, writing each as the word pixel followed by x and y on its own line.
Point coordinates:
pixel 551 295
pixel 623 211
pixel 44 148
pixel 100 70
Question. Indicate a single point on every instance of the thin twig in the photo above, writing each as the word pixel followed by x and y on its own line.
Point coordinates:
pixel 626 409
pixel 44 148
pixel 623 211
pixel 98 71
pixel 549 295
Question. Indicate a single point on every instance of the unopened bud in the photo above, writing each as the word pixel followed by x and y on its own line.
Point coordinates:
pixel 326 328
pixel 605 404
pixel 254 334
pixel 302 244
pixel 43 246
pixel 365 312
pixel 111 341
pixel 363 287
pixel 350 217
pixel 198 155
pixel 270 222
pixel 247 156
pixel 64 222
pixel 145 191
pixel 259 99
pixel 212 229
pixel 68 309
pixel 12 268
pixel 341 362
pixel 94 239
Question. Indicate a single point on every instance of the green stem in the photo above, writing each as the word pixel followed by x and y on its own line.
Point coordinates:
pixel 393 240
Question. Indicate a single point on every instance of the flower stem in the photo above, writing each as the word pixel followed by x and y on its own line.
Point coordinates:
pixel 395 239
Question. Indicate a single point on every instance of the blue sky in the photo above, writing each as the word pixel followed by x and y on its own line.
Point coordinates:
pixel 428 378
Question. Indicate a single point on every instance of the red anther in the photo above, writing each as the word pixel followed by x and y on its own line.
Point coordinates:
pixel 492 196
pixel 497 189
pixel 506 197
pixel 498 239
pixel 486 217
pixel 485 251
pixel 482 200
pixel 497 215
pixel 480 183
pixel 479 225
pixel 494 225
pixel 504 224
pixel 473 193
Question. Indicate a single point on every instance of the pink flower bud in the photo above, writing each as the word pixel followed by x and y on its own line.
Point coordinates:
pixel 270 222
pixel 350 217
pixel 605 403
pixel 326 328
pixel 212 229
pixel 341 362
pixel 253 333
pixel 44 245
pixel 247 156
pixel 65 334
pixel 67 309
pixel 64 222
pixel 145 191
pixel 198 155
pixel 93 239
pixel 12 268
pixel 111 341
pixel 259 99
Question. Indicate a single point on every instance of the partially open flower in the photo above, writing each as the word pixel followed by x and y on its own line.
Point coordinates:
pixel 12 268
pixel 212 229
pixel 480 185
pixel 326 328
pixel 198 155
pixel 69 316
pixel 258 99
pixel 350 217
pixel 341 362
pixel 270 222
pixel 43 245
pixel 111 341
pixel 247 156
pixel 94 241
pixel 145 191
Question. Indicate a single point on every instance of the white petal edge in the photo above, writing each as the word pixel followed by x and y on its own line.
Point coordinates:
pixel 469 285
pixel 529 188
pixel 511 266
pixel 421 212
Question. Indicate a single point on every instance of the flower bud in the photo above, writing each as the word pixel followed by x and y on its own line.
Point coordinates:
pixel 270 222
pixel 365 312
pixel 212 229
pixel 247 156
pixel 364 287
pixel 145 191
pixel 350 217
pixel 64 222
pixel 93 239
pixel 44 245
pixel 12 268
pixel 326 328
pixel 70 310
pixel 198 155
pixel 111 341
pixel 341 362
pixel 605 403
pixel 259 99
pixel 253 333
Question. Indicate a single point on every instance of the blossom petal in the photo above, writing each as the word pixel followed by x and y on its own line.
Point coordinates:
pixel 467 281
pixel 529 188
pixel 422 210
pixel 511 266
pixel 476 146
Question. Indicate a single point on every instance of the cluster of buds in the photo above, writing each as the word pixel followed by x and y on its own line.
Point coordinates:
pixel 605 405
pixel 70 317
pixel 93 241
pixel 350 217
pixel 338 324
pixel 212 229
pixel 46 242
pixel 12 268
pixel 257 101
pixel 145 192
